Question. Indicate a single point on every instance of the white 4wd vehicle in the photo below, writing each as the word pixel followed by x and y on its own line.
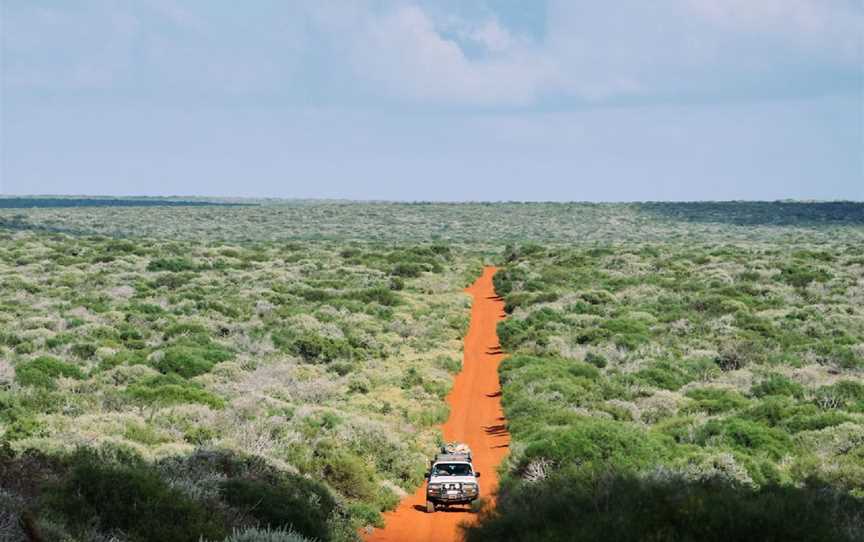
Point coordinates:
pixel 451 478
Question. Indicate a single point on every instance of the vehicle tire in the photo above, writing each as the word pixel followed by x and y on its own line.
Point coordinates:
pixel 430 507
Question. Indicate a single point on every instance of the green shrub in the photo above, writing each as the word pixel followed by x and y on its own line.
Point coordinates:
pixel 737 355
pixel 381 295
pixel 593 442
pixel 451 365
pixel 186 328
pixel 350 476
pixel 143 433
pixel 312 347
pixel 626 333
pixel 83 350
pixel 10 339
pixel 841 356
pixel 777 384
pixel 847 394
pixel 19 422
pixel 42 372
pixel 59 340
pixel 170 281
pixel 747 436
pixel 407 270
pixel 124 357
pixel 171 264
pixel 715 401
pixel 396 284
pixel 802 276
pixel 667 375
pixel 171 389
pixel 290 502
pixel 597 360
pixel 190 361
pixel 815 421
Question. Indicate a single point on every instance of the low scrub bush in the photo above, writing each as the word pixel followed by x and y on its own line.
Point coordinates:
pixel 715 401
pixel 667 375
pixel 350 476
pixel 313 348
pixel 174 265
pixel 19 421
pixel 777 384
pixel 381 295
pixel 254 534
pixel 42 372
pixel 594 443
pixel 800 276
pixel 747 436
pixel 191 360
pixel 83 350
pixel 171 389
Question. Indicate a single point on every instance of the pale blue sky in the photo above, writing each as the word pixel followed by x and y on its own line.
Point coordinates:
pixel 443 100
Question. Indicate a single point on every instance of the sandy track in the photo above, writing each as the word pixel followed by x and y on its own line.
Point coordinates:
pixel 475 418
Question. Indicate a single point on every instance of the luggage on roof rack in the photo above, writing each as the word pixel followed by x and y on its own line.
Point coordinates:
pixel 454 451
pixel 455 448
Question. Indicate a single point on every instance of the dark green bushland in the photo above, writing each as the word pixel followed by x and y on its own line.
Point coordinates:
pixel 291 502
pixel 132 498
pixel 672 393
pixel 203 496
pixel 577 506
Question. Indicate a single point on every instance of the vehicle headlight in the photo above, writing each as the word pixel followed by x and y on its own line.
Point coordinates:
pixel 470 488
pixel 434 487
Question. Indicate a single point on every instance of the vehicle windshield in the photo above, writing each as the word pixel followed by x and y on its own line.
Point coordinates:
pixel 452 469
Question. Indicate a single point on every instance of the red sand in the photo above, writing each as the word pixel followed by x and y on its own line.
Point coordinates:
pixel 476 418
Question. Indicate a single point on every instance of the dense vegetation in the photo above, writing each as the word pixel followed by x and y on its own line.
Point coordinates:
pixel 672 392
pixel 53 202
pixel 169 390
pixel 275 372
pixel 460 222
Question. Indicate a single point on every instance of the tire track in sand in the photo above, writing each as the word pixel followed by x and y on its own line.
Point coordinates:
pixel 476 418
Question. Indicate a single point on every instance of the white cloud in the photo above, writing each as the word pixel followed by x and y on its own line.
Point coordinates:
pixel 408 56
pixel 495 38
pixel 597 51
pixel 403 52
pixel 831 27
pixel 425 52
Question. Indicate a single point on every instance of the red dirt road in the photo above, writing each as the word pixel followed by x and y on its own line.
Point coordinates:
pixel 476 418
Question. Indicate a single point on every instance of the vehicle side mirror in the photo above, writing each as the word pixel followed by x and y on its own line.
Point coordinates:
pixel 427 474
pixel 476 475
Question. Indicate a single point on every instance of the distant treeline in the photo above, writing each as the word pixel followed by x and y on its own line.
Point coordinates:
pixel 752 213
pixel 29 203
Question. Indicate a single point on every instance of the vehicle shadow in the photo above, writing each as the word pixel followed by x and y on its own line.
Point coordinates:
pixel 495 430
pixel 450 509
